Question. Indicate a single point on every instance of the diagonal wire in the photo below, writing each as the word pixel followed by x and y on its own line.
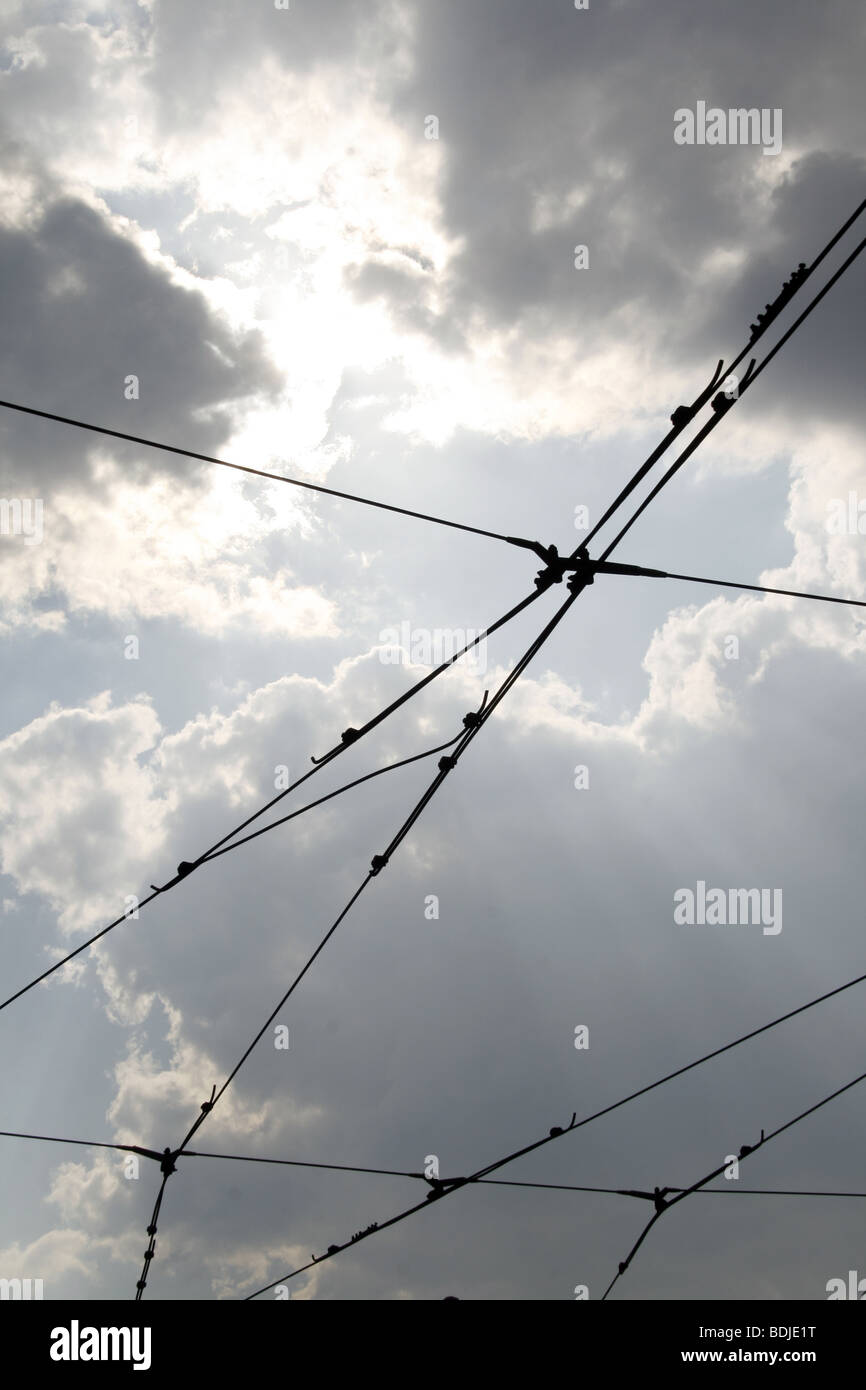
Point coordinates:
pixel 643 572
pixel 446 765
pixel 558 1131
pixel 690 411
pixel 767 589
pixel 243 468
pixel 404 762
pixel 748 380
pixel 205 1109
pixel 474 723
pixel 319 763
pixel 576 588
pixel 717 1173
pixel 355 734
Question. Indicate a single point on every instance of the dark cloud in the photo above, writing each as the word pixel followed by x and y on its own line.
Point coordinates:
pixel 84 310
pixel 538 102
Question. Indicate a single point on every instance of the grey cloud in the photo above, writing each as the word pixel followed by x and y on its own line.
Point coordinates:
pixel 83 310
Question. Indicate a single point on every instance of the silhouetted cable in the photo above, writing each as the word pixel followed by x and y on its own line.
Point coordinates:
pixel 379 861
pixel 472 723
pixel 663 1204
pixel 685 414
pixel 303 1163
pixel 721 406
pixel 256 472
pixel 576 586
pixel 767 589
pixel 409 1173
pixel 77 952
pixel 151 1231
pixel 86 1143
pixel 404 762
pixel 643 572
pixel 626 1192
pixel 350 737
pixel 444 1190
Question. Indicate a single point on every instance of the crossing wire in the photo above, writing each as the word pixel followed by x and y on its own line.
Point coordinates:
pixel 421 1177
pixel 558 1131
pixel 720 373
pixel 481 718
pixel 320 763
pixel 745 1152
pixel 352 735
pixel 243 468
pixel 446 765
pixel 748 380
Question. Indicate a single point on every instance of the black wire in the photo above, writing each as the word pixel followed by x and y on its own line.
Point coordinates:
pixel 745 384
pixel 471 731
pixel 53 1139
pixel 445 767
pixel 379 718
pixel 721 373
pixel 256 472
pixel 83 947
pixel 320 763
pixel 432 675
pixel 151 1247
pixel 558 1132
pixel 705 1192
pixel 643 572
pixel 406 1173
pixel 576 590
pixel 292 987
pixel 717 1172
pixel 404 762
pixel 765 589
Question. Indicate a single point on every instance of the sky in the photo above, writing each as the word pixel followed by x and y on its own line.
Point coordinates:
pixel 340 243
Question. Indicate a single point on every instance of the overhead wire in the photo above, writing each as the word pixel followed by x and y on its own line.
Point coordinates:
pixel 558 1131
pixel 352 735
pixel 329 757
pixel 446 765
pixel 665 1205
pixel 748 380
pixel 576 589
pixel 685 414
pixel 243 468
pixel 140 1150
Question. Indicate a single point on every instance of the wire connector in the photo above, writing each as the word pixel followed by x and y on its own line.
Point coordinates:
pixel 167 1165
pixel 682 415
pixel 750 1148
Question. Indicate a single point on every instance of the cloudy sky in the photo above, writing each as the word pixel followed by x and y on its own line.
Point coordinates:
pixel 337 241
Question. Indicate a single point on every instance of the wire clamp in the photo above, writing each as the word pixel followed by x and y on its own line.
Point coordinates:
pixel 167 1165
pixel 750 1148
